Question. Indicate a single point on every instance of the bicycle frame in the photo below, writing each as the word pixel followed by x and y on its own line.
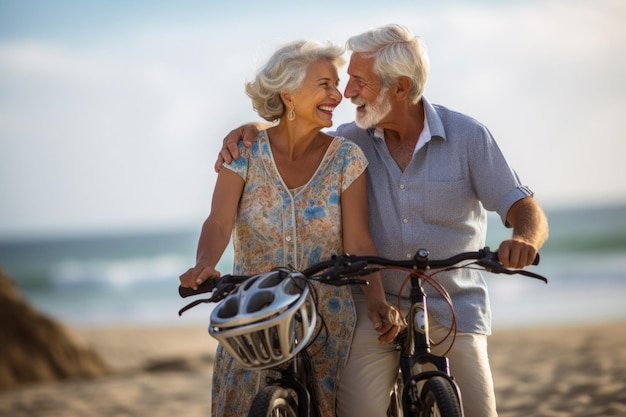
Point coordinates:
pixel 415 349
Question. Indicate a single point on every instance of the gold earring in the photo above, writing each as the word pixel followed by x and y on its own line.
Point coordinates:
pixel 291 115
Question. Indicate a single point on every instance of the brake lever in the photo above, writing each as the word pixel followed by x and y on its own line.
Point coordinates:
pixel 528 274
pixel 193 304
pixel 219 293
pixel 491 264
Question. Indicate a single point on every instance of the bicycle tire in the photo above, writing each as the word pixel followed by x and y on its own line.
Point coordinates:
pixel 273 401
pixel 440 399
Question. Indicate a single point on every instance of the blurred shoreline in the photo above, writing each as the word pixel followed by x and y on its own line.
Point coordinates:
pixel 133 278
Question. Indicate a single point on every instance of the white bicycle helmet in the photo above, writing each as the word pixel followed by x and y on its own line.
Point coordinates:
pixel 267 320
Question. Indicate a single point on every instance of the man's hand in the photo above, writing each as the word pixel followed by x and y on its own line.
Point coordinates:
pixel 246 133
pixel 516 254
pixel 387 321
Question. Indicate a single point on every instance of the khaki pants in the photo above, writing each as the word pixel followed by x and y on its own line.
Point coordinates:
pixel 369 375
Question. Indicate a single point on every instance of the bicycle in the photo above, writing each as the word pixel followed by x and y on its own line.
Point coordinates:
pixel 416 393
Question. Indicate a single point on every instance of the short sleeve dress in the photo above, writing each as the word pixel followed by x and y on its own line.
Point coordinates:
pixel 276 226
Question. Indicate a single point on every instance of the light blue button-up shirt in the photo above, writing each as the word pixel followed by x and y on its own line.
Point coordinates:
pixel 439 203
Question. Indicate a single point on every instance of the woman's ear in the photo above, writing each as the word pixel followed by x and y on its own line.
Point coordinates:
pixel 286 98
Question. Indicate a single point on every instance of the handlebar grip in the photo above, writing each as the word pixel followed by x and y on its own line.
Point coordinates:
pixel 207 286
pixel 536 260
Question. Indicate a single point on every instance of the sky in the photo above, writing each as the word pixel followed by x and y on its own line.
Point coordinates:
pixel 112 112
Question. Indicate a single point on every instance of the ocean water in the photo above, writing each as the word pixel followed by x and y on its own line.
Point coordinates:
pixel 133 278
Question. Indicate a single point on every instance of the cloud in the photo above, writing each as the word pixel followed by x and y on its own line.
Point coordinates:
pixel 100 133
pixel 123 130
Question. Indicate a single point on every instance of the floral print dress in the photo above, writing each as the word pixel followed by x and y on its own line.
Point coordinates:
pixel 276 226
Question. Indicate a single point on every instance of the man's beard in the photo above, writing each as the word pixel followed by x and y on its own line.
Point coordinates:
pixel 374 113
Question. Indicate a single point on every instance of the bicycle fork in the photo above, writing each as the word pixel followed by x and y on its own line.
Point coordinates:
pixel 415 349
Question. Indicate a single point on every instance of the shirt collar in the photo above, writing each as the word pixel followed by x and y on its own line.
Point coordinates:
pixel 435 124
pixel 425 136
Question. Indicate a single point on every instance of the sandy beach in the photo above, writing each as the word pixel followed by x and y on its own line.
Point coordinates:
pixel 568 371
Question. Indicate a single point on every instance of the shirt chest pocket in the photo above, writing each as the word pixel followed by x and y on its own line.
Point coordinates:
pixel 446 202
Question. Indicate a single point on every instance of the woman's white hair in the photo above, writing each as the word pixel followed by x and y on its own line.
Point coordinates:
pixel 397 53
pixel 285 72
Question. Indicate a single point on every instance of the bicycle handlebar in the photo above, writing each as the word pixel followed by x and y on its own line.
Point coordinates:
pixel 210 284
pixel 349 265
pixel 338 269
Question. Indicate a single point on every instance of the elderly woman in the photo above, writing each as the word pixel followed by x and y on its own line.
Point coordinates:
pixel 297 196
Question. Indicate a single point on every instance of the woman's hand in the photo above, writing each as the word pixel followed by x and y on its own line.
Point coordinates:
pixel 197 275
pixel 387 321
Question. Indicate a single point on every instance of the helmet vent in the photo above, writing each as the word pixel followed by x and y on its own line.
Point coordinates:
pixel 259 301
